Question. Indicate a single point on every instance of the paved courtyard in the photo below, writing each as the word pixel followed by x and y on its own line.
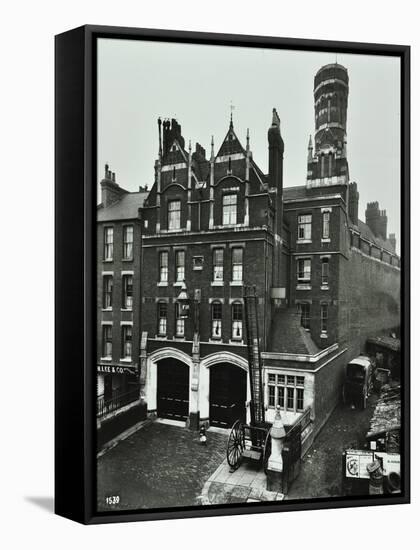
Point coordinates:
pixel 164 465
pixel 320 474
pixel 158 466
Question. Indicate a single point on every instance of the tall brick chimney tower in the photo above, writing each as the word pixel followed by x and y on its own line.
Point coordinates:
pixel 275 181
pixel 327 159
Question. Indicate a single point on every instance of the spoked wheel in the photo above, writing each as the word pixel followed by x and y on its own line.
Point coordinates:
pixel 267 452
pixel 235 446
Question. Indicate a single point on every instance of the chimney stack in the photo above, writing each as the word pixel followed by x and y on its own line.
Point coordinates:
pixel 353 206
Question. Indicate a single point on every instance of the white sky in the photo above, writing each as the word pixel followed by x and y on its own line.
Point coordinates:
pixel 139 81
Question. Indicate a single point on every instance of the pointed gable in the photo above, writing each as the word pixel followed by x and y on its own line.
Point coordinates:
pixel 231 144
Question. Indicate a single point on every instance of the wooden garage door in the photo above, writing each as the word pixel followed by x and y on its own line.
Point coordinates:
pixel 227 395
pixel 173 389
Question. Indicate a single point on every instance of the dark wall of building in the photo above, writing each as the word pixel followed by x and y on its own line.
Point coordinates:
pixel 369 297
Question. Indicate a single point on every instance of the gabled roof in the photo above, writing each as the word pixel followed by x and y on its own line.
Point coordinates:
pixel 231 143
pixel 124 209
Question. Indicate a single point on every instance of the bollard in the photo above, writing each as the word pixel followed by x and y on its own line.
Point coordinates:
pixel 275 462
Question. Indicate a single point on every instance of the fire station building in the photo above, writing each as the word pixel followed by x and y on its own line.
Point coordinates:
pixel 212 224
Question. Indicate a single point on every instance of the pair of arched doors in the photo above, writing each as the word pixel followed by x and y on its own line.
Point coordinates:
pixel 227 392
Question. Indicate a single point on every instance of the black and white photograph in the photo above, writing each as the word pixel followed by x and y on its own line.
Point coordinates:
pixel 248 275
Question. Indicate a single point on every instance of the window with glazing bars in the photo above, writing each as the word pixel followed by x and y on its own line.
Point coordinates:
pixel 286 392
pixel 218 264
pixel 325 225
pixel 216 315
pixel 324 317
pixel 127 291
pixel 108 243
pixel 179 321
pixel 163 267
pixel 180 266
pixel 174 214
pixel 237 264
pixel 127 341
pixel 229 209
pixel 325 271
pixel 162 318
pixel 107 340
pixel 128 242
pixel 304 270
pixel 236 321
pixel 304 226
pixel 107 292
pixel 305 315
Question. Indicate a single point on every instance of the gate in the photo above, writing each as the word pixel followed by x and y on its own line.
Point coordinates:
pixel 292 451
pixel 173 389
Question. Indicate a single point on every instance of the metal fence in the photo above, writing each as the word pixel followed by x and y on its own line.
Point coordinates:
pixel 116 401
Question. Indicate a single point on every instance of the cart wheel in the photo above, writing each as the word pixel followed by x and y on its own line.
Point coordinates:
pixel 235 446
pixel 267 452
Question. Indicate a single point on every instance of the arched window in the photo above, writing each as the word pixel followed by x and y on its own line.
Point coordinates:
pixel 216 318
pixel 237 321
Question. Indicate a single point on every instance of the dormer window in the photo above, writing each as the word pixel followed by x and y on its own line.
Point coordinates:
pixel 230 209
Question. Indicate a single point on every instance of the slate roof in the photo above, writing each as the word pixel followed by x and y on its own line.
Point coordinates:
pixel 124 209
pixel 288 335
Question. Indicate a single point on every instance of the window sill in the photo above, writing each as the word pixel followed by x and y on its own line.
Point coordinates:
pixel 325 240
pixel 106 358
pixel 126 360
pixel 107 309
pixel 126 309
pixel 108 261
pixel 303 286
pixel 178 283
pixel 179 338
pixel 236 342
pixel 323 335
pixel 325 287
pixel 200 268
pixel 217 283
pixel 304 241
pixel 162 284
pixel 161 337
pixel 236 283
pixel 215 339
pixel 127 259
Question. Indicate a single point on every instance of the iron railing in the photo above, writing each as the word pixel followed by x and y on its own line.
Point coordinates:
pixel 116 401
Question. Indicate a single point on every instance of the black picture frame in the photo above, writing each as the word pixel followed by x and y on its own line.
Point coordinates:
pixel 75 245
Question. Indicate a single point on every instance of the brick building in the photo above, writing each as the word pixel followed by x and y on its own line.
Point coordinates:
pixel 118 297
pixel 326 281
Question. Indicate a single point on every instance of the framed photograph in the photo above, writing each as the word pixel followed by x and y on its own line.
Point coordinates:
pixel 232 274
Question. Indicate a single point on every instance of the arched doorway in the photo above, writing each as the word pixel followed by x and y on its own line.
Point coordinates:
pixel 227 395
pixel 173 389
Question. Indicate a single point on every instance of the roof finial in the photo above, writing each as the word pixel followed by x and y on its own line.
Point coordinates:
pixel 232 106
pixel 212 148
pixel 247 139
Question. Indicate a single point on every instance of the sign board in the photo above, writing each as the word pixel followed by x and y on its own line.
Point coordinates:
pixel 357 462
pixel 115 369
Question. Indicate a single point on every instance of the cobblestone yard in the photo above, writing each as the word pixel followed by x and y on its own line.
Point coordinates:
pixel 320 474
pixel 158 466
